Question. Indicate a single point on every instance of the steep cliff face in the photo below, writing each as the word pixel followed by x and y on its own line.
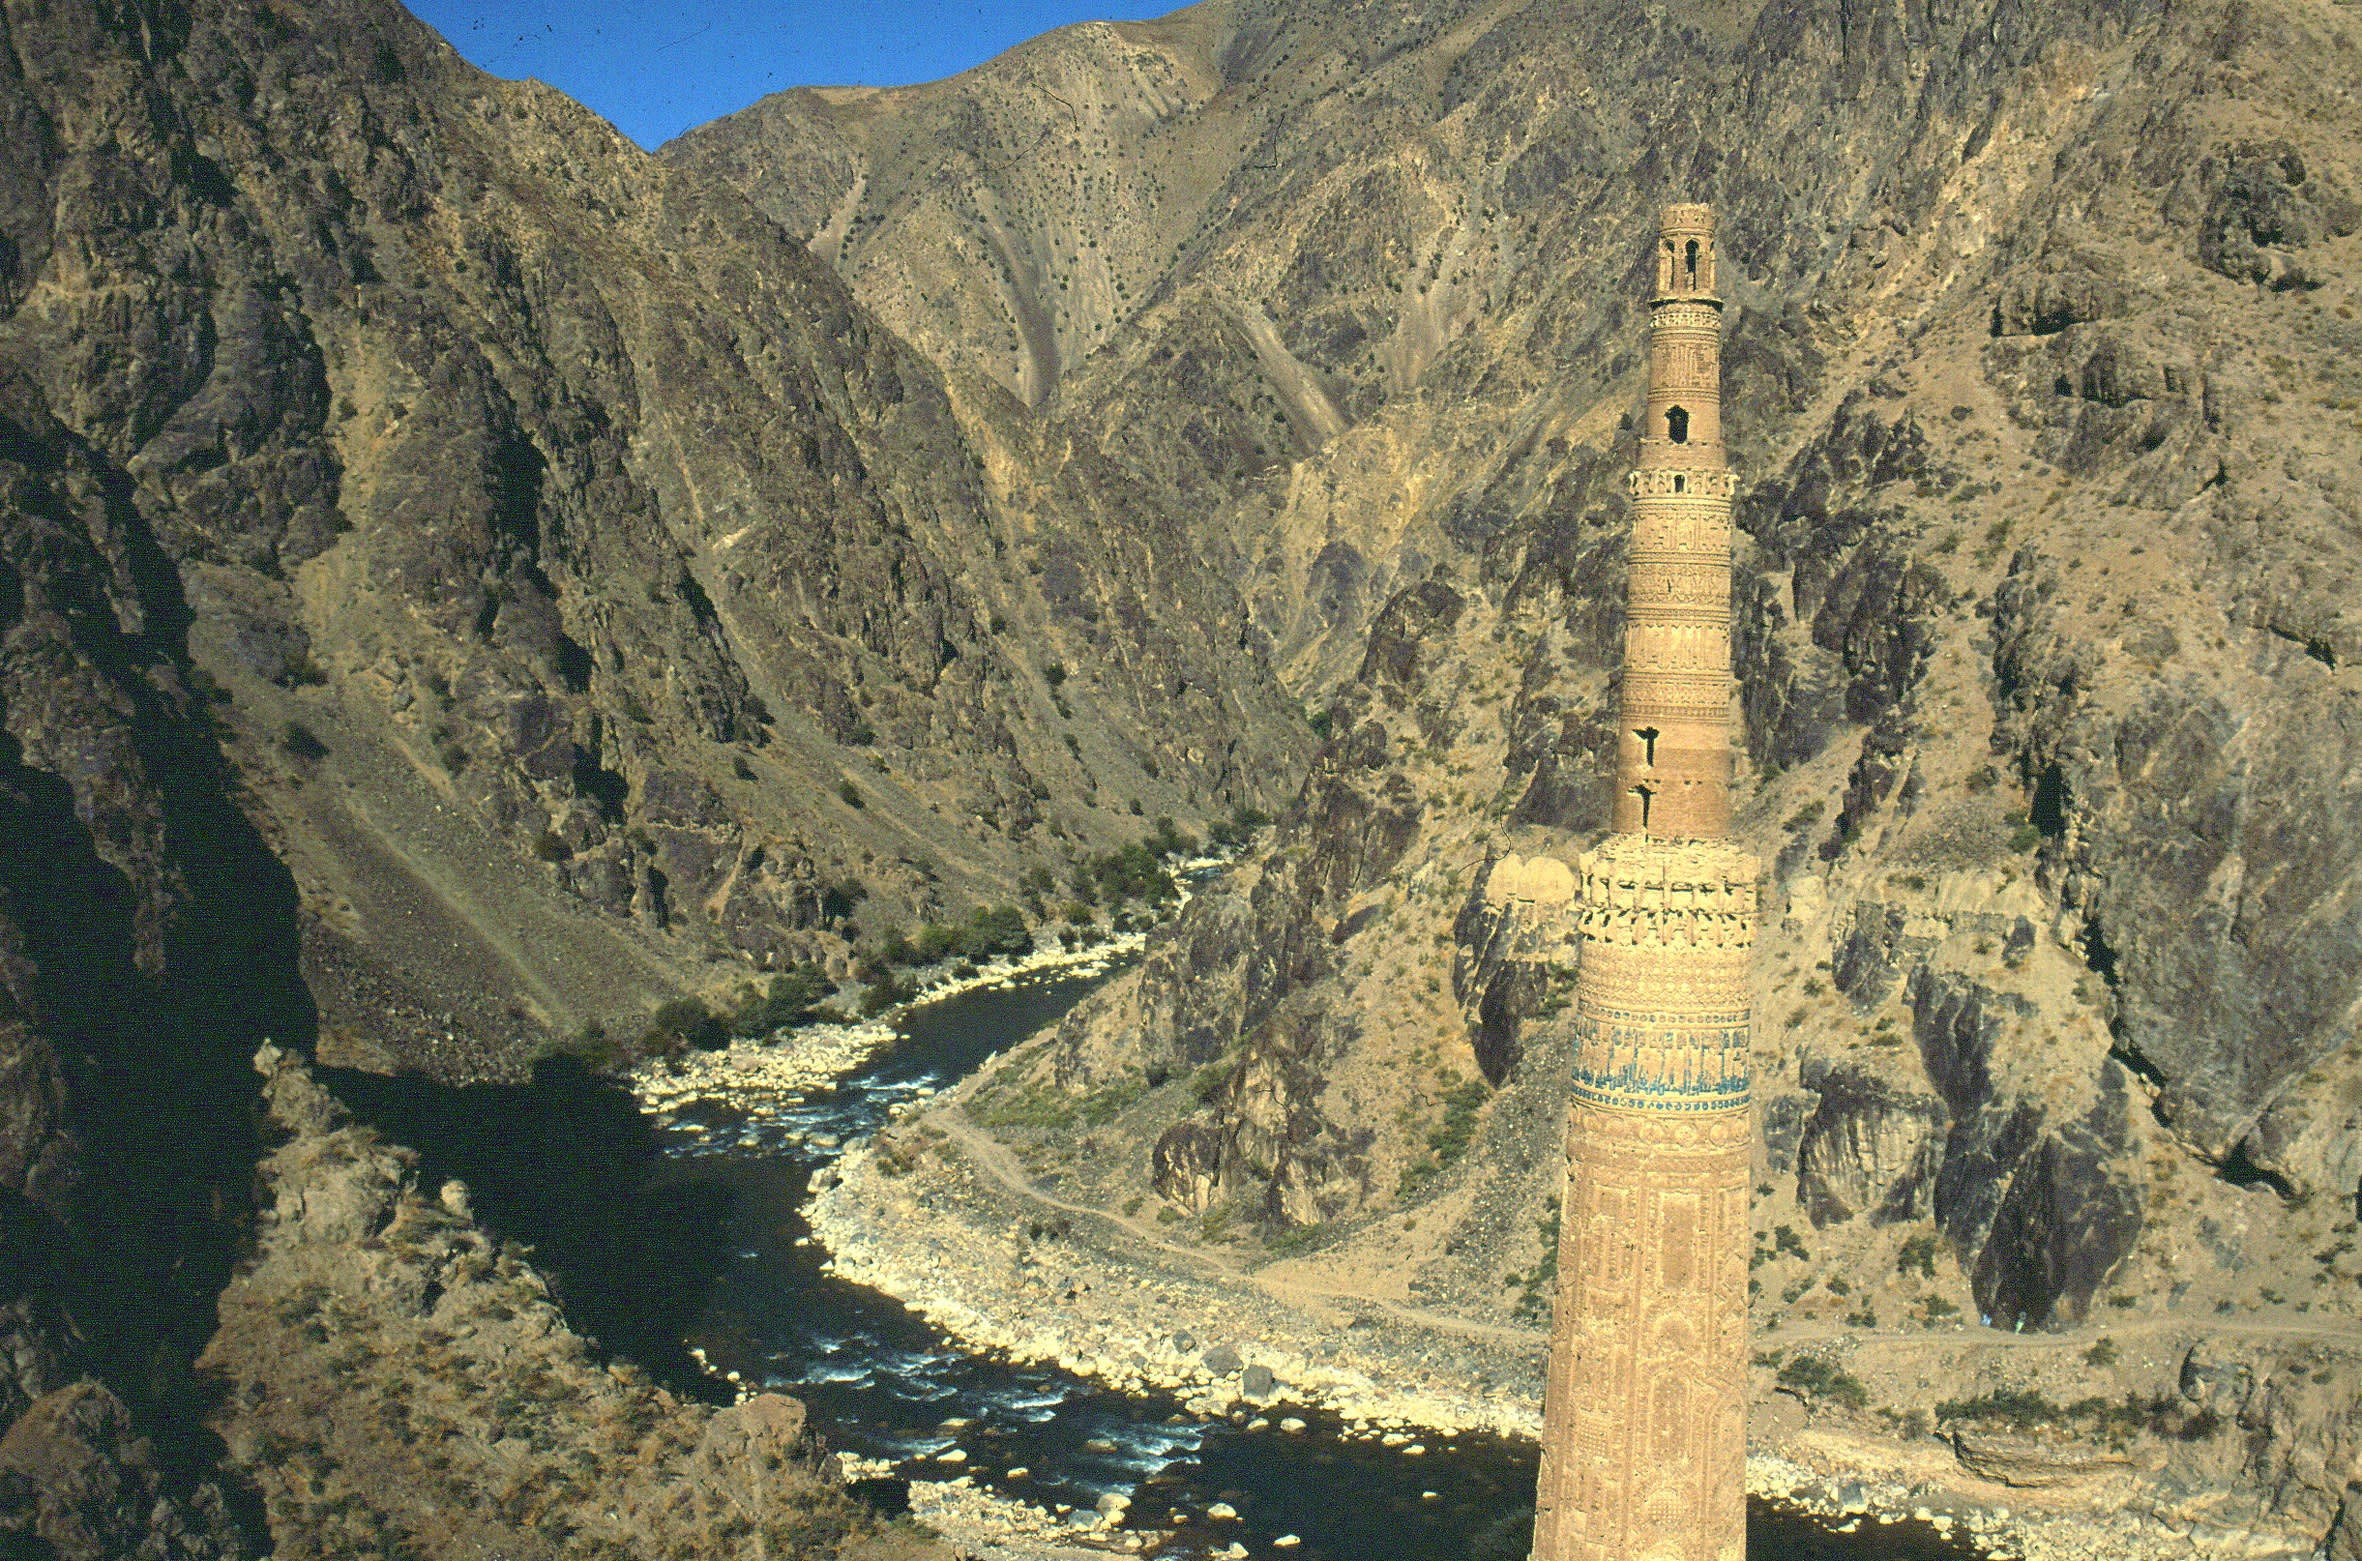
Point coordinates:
pixel 2039 367
pixel 592 584
pixel 146 934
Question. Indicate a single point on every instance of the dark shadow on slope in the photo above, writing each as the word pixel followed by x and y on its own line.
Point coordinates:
pixel 564 1166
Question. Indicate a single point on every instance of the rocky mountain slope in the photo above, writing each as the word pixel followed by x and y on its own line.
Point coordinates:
pixel 583 583
pixel 2039 371
pixel 462 582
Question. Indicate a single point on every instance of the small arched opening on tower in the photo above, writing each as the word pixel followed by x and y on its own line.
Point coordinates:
pixel 1646 796
pixel 1690 260
pixel 1680 483
pixel 1677 424
pixel 1648 736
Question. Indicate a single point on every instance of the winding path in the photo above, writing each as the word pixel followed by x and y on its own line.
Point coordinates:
pixel 991 1156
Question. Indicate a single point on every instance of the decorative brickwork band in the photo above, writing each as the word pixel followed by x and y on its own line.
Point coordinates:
pixel 1713 485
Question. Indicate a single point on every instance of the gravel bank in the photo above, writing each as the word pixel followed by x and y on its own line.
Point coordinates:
pixel 1045 1282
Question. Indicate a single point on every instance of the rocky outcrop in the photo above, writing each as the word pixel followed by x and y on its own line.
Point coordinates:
pixel 2041 1203
pixel 77 1479
pixel 1868 1149
pixel 2260 208
pixel 1516 950
pixel 145 935
pixel 2032 1467
pixel 396 1377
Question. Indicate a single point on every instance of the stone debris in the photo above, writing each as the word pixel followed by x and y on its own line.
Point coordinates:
pixel 398 1370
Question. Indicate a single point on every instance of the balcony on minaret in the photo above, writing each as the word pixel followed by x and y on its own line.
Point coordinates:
pixel 1685 252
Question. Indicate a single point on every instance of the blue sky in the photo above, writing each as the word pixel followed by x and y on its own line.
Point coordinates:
pixel 656 70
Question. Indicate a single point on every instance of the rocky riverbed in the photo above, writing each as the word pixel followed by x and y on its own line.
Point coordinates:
pixel 923 1215
pixel 1010 1257
pixel 758 1076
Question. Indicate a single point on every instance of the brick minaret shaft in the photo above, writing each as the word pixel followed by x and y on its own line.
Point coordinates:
pixel 1673 762
pixel 1644 1454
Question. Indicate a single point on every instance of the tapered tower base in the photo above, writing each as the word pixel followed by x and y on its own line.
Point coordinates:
pixel 1645 1458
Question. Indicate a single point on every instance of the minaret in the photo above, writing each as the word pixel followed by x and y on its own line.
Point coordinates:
pixel 1644 1440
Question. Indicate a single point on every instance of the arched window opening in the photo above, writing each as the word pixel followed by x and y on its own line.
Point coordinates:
pixel 1648 736
pixel 1691 258
pixel 1680 483
pixel 1646 796
pixel 1677 424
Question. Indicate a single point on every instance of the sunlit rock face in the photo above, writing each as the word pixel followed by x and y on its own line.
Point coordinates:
pixel 584 585
pixel 2041 611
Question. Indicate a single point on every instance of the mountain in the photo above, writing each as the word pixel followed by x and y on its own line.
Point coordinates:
pixel 463 583
pixel 466 580
pixel 582 581
pixel 2040 377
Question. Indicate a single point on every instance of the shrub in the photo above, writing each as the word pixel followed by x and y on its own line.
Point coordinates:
pixel 889 990
pixel 838 899
pixel 1284 1241
pixel 1235 831
pixel 594 1048
pixel 1815 1377
pixel 786 1002
pixel 2021 1409
pixel 685 1020
pixel 1133 872
pixel 1450 1138
pixel 549 848
pixel 300 741
pixel 851 795
pixel 994 930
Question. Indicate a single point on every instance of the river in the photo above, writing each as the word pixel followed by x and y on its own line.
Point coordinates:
pixel 888 1386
